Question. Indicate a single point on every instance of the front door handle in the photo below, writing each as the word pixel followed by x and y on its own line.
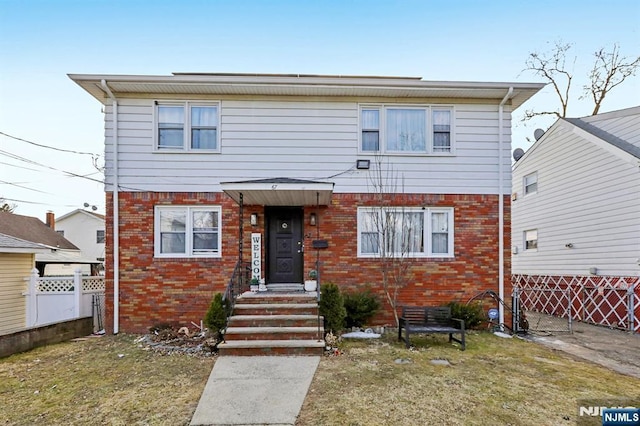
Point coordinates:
pixel 301 244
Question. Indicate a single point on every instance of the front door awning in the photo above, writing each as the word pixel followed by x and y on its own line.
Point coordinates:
pixel 280 192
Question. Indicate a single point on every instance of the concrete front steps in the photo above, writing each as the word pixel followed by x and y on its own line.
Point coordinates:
pixel 274 323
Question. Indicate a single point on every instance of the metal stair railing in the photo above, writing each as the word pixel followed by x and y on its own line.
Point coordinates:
pixel 238 283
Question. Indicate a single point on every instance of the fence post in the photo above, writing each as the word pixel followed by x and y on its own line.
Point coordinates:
pixel 32 298
pixel 77 292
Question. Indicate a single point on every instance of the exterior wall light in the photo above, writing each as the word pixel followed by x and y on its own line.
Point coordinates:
pixel 253 219
pixel 312 219
pixel 363 164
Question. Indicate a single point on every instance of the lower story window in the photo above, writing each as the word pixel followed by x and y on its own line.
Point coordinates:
pixel 531 239
pixel 405 231
pixel 182 231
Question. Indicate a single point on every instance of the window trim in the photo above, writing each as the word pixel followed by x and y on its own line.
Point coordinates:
pixel 189 250
pixel 186 129
pixel 104 236
pixel 427 253
pixel 382 134
pixel 524 184
pixel 524 240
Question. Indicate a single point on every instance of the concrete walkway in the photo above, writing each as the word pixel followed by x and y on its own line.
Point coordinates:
pixel 255 390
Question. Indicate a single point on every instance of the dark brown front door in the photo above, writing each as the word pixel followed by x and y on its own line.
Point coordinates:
pixel 284 245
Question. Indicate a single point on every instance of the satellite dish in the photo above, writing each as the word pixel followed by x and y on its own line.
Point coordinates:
pixel 537 133
pixel 86 204
pixel 518 153
pixel 94 208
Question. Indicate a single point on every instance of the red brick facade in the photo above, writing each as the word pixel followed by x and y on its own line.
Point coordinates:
pixel 178 291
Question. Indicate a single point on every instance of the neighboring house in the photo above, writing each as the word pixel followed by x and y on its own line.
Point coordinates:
pixel 17 260
pixel 194 162
pixel 62 256
pixel 576 211
pixel 86 230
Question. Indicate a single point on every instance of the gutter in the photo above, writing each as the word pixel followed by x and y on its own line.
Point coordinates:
pixel 116 213
pixel 501 208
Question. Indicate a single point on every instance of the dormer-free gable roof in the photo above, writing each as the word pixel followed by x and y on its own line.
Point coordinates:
pixel 193 84
pixel 589 129
pixel 32 229
pixel 82 212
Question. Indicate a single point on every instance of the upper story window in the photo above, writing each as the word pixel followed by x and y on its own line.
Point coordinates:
pixel 531 183
pixel 412 130
pixel 187 126
pixel 405 231
pixel 188 231
pixel 100 236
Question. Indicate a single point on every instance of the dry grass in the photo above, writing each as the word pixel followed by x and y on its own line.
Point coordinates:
pixel 87 382
pixel 495 381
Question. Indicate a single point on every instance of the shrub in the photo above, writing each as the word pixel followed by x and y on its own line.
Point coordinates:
pixel 472 314
pixel 216 317
pixel 332 308
pixel 360 307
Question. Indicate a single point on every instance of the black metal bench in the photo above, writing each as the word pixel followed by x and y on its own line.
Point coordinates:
pixel 428 320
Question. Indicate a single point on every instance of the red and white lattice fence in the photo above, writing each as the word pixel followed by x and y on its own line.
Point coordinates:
pixel 605 300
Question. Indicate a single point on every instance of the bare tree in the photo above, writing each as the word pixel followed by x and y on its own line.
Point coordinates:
pixel 6 207
pixel 552 66
pixel 390 233
pixel 609 70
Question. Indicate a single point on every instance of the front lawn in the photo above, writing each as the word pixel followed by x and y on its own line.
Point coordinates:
pixel 114 380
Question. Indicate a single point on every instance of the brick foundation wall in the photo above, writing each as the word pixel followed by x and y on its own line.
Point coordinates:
pixel 178 291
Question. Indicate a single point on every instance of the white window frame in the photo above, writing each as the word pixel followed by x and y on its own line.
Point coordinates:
pixel 382 135
pixel 427 242
pixel 189 250
pixel 526 185
pixel 526 237
pixel 186 143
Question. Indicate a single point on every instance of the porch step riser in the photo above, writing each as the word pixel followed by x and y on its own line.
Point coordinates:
pixel 271 351
pixel 251 300
pixel 310 335
pixel 244 310
pixel 260 322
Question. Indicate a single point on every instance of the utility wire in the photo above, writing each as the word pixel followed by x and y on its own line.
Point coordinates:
pixel 50 147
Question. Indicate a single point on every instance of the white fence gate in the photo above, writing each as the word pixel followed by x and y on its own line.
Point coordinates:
pixel 57 299
pixel 604 300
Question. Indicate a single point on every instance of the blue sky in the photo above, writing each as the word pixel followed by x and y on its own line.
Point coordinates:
pixel 43 41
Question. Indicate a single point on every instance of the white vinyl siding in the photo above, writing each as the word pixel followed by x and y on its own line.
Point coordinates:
pixel 314 140
pixel 184 231
pixel 14 268
pixel 405 231
pixel 591 201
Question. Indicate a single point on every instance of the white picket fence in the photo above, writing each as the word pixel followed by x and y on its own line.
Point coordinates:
pixel 56 299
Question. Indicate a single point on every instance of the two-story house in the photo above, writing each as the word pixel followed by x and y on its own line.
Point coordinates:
pixel 85 229
pixel 576 219
pixel 198 163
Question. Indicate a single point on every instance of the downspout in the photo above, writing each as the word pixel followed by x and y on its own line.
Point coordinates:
pixel 116 213
pixel 501 207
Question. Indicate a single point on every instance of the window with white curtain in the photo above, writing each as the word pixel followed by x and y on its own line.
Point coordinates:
pixel 187 126
pixel 406 129
pixel 183 231
pixel 405 231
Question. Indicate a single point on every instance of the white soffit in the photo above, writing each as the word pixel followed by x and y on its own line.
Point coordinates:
pixel 280 193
